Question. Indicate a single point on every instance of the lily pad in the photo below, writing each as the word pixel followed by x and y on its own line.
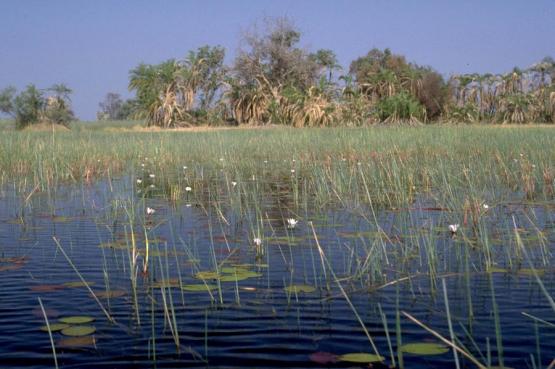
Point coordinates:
pixel 200 287
pixel 79 330
pixel 54 327
pixel 207 275
pixel 78 319
pixel 166 283
pixel 361 357
pixel 424 348
pixel 78 284
pixel 47 288
pixel 239 276
pixel 73 342
pixel 112 294
pixel 323 358
pixel 298 288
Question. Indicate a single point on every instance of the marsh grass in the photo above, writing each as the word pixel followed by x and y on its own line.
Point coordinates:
pixel 245 184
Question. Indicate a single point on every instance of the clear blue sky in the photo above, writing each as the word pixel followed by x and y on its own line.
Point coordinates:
pixel 92 44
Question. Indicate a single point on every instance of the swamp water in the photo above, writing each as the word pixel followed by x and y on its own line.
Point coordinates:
pixel 338 283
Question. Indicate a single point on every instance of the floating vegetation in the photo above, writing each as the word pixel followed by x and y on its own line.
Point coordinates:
pixel 110 294
pixel 77 319
pixel 78 284
pixel 300 288
pixel 54 327
pixel 360 357
pixel 78 330
pixel 77 342
pixel 323 358
pixel 199 287
pixel 424 348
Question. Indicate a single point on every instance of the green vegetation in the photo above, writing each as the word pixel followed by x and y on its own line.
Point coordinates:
pixel 33 106
pixel 274 80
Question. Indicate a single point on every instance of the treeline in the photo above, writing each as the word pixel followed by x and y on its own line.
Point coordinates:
pixel 32 105
pixel 274 81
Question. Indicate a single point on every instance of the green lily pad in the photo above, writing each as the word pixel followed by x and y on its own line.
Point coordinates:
pixel 239 276
pixel 298 288
pixel 79 330
pixel 166 283
pixel 361 357
pixel 78 284
pixel 207 275
pixel 200 287
pixel 233 270
pixel 497 270
pixel 54 327
pixel 78 319
pixel 424 348
pixel 530 272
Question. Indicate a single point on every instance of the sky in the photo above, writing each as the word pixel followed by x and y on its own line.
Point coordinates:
pixel 91 45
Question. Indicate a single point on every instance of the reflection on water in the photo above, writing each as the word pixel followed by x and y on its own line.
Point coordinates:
pixel 208 296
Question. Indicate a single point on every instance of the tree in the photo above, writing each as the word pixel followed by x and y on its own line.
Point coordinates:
pixel 57 107
pixel 167 92
pixel 271 74
pixel 327 60
pixel 7 100
pixel 33 106
pixel 28 106
pixel 110 107
pixel 382 74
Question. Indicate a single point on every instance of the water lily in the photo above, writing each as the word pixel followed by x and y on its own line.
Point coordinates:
pixel 453 228
pixel 139 181
pixel 151 175
pixel 485 206
pixel 152 186
pixel 184 167
pixel 188 189
pixel 233 183
pixel 292 171
pixel 257 241
pixel 150 211
pixel 292 222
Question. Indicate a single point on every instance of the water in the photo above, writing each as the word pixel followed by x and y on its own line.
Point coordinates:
pixel 256 322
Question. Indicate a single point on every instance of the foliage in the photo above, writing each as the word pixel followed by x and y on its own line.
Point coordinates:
pixel 34 106
pixel 167 92
pixel 399 108
pixel 113 107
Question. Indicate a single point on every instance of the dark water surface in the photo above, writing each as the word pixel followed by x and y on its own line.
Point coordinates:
pixel 256 322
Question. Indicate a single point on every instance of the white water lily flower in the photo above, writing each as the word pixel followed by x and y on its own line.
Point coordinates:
pixel 453 228
pixel 188 189
pixel 265 161
pixel 152 186
pixel 485 206
pixel 292 222
pixel 221 159
pixel 233 183
pixel 293 171
pixel 139 181
pixel 257 241
pixel 184 167
pixel 150 211
pixel 187 205
pixel 151 175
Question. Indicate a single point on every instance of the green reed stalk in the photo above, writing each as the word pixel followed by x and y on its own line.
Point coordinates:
pixel 49 333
